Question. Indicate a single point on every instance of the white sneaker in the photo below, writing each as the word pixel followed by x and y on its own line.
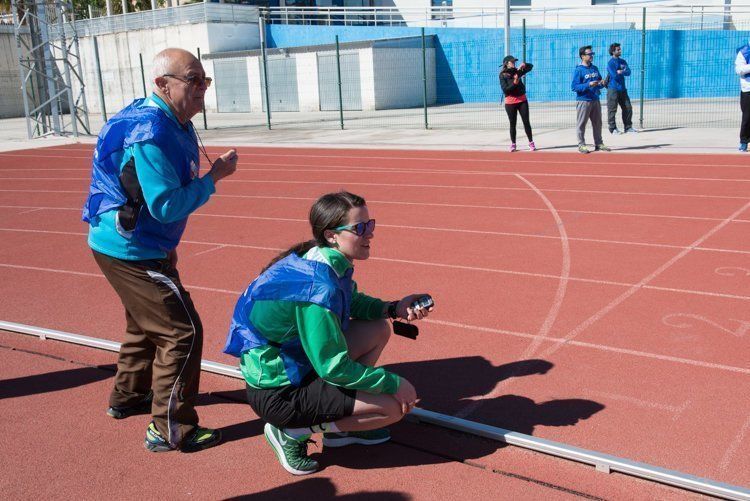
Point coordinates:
pixel 630 130
pixel 615 132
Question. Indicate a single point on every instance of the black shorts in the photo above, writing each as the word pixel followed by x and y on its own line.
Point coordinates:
pixel 313 402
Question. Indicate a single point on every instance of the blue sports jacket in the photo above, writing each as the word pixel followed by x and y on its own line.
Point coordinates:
pixel 138 124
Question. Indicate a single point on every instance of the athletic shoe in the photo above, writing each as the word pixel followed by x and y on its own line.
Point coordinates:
pixel 155 442
pixel 143 406
pixel 743 147
pixel 602 147
pixel 201 438
pixel 512 147
pixel 582 148
pixel 630 130
pixel 616 132
pixel 369 437
pixel 291 453
pixel 532 146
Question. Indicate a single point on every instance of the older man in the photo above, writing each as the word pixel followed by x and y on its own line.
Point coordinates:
pixel 145 183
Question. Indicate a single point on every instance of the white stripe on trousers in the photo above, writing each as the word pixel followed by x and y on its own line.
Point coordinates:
pixel 169 283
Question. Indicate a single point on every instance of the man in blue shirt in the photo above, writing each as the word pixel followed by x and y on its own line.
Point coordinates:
pixel 617 94
pixel 587 83
pixel 145 182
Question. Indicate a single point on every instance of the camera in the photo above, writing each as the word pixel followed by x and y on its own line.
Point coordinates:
pixel 425 302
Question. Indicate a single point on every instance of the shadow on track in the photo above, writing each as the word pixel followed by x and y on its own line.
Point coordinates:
pixel 319 489
pixel 54 381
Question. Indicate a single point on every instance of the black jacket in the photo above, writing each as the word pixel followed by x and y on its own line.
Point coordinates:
pixel 506 81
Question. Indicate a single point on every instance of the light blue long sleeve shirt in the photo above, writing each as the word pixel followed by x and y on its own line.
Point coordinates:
pixel 164 195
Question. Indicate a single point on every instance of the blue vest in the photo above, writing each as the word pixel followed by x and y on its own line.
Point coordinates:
pixel 290 279
pixel 137 123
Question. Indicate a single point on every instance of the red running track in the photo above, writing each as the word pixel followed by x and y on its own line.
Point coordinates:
pixel 600 301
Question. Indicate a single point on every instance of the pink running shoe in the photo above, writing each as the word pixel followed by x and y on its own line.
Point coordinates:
pixel 512 147
pixel 532 146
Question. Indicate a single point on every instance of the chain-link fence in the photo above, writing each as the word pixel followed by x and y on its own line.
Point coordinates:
pixel 448 78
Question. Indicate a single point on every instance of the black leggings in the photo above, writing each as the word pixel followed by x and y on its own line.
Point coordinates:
pixel 512 110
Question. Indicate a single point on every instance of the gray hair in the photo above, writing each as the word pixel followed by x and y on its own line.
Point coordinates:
pixel 160 65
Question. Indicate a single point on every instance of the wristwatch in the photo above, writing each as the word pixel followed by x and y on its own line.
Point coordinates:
pixel 391 311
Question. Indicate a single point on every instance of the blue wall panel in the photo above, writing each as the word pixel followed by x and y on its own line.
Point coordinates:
pixel 679 64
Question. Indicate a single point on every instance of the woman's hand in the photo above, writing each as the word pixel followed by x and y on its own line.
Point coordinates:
pixel 406 396
pixel 405 311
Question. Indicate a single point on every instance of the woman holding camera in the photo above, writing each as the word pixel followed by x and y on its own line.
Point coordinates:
pixel 515 98
pixel 308 341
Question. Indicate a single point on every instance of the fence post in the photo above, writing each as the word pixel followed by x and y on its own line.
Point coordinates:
pixel 205 121
pixel 99 78
pixel 338 73
pixel 643 62
pixel 523 44
pixel 424 78
pixel 262 23
pixel 143 75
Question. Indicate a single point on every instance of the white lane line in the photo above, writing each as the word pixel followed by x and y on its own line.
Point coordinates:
pixel 675 410
pixel 635 288
pixel 432 264
pixel 292 168
pixel 451 187
pixel 594 346
pixel 553 312
pixel 562 285
pixel 212 249
pixel 99 275
pixel 611 162
pixel 525 335
pixel 734 446
pixel 434 204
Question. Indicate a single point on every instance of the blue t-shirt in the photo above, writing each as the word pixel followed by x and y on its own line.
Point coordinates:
pixel 164 196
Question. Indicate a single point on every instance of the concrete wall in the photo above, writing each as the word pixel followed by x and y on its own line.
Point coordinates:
pixel 381 73
pixel 120 64
pixel 397 76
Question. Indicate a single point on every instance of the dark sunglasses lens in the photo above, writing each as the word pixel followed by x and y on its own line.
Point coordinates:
pixel 370 226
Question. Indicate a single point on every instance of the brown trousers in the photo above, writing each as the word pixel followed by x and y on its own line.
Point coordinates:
pixel 162 346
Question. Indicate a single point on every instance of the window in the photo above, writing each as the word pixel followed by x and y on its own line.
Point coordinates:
pixel 603 2
pixel 520 3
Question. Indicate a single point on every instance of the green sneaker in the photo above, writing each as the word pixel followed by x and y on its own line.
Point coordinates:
pixel 369 437
pixel 291 453
pixel 582 148
pixel 602 147
pixel 201 438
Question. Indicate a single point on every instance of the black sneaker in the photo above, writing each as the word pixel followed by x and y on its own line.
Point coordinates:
pixel 142 407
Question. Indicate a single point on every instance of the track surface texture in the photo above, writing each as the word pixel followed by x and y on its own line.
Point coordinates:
pixel 600 301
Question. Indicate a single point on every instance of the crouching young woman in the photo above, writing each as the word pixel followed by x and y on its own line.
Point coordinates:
pixel 308 341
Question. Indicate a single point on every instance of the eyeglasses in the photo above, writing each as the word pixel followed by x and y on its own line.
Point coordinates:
pixel 192 79
pixel 588 53
pixel 360 229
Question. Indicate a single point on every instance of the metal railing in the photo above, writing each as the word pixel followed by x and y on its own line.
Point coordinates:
pixel 185 14
pixel 601 461
pixel 613 16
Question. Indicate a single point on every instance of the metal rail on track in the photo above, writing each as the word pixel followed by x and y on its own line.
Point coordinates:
pixel 602 462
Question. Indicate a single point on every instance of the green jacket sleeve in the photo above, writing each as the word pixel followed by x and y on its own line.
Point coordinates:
pixel 325 346
pixel 365 307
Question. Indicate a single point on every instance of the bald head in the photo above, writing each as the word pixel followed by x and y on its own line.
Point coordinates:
pixel 172 61
pixel 179 79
